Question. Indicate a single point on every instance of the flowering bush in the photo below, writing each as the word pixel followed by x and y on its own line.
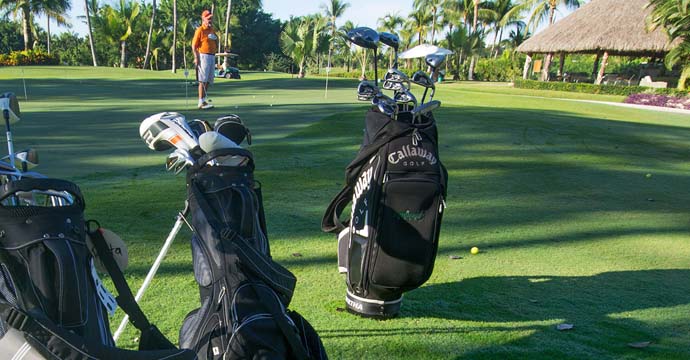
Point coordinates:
pixel 28 57
pixel 659 100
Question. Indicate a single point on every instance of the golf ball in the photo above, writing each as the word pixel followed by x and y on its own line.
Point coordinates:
pixel 474 250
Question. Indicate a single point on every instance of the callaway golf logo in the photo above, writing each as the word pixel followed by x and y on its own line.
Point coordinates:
pixel 412 155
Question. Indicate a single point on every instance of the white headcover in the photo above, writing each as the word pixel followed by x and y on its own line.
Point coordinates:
pixel 213 140
pixel 165 130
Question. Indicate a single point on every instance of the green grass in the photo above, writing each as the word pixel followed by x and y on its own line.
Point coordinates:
pixel 553 192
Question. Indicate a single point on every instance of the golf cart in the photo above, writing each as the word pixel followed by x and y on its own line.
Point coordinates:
pixel 223 69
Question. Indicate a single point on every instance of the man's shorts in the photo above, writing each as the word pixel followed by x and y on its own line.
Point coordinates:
pixel 206 68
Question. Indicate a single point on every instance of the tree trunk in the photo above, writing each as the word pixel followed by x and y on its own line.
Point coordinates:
pixel 433 27
pixel 500 37
pixel 227 43
pixel 684 76
pixel 123 54
pixel 525 70
pixel 547 67
pixel 470 73
pixel 602 68
pixel 493 46
pixel 26 28
pixel 174 46
pixel 301 69
pixel 476 10
pixel 88 23
pixel 148 38
pixel 562 64
pixel 48 30
pixel 364 64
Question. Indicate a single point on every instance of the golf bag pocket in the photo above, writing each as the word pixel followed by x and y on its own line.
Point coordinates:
pixel 407 233
pixel 343 242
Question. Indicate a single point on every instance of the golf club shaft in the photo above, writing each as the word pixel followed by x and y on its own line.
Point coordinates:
pixel 10 146
pixel 154 268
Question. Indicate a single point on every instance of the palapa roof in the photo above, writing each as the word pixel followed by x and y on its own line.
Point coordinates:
pixel 616 26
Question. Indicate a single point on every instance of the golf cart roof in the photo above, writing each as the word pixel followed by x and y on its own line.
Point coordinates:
pixel 227 54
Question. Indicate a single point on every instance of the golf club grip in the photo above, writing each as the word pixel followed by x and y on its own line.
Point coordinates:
pixel 30 184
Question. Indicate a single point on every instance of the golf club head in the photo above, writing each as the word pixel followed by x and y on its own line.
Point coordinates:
pixel 366 91
pixel 426 108
pixel 233 128
pixel 10 107
pixel 386 105
pixel 364 37
pixel 178 160
pixel 405 97
pixel 435 60
pixel 199 127
pixel 396 80
pixel 213 140
pixel 422 79
pixel 391 40
pixel 24 160
pixel 166 130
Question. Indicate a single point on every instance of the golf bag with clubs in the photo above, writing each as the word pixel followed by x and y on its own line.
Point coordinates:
pixel 397 188
pixel 244 294
pixel 52 302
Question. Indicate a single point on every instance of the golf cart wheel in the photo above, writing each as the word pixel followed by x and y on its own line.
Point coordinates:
pixel 228 75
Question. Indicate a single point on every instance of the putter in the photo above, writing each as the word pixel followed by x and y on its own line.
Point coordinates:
pixel 393 41
pixel 369 39
pixel 11 113
pixel 422 79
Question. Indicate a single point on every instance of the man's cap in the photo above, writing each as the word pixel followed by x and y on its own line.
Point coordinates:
pixel 206 14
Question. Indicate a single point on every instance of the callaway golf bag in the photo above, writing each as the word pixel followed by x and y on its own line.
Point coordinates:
pixel 52 302
pixel 397 186
pixel 244 294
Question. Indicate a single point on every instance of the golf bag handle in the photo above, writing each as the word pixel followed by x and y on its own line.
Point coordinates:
pixel 29 184
pixel 201 162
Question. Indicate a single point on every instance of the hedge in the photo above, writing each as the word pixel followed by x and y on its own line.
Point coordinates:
pixel 28 57
pixel 595 89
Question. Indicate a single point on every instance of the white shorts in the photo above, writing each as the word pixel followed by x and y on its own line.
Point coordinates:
pixel 205 70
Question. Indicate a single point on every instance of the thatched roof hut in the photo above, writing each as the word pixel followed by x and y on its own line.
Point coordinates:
pixel 602 27
pixel 615 26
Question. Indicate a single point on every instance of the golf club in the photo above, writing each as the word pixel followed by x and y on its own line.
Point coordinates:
pixel 178 160
pixel 24 160
pixel 404 98
pixel 393 41
pixel 422 79
pixel 10 112
pixel 199 127
pixel 386 105
pixel 233 128
pixel 424 109
pixel 366 91
pixel 369 39
pixel 434 61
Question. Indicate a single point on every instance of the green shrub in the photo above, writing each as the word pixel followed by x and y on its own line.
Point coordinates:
pixel 28 57
pixel 595 89
pixel 501 69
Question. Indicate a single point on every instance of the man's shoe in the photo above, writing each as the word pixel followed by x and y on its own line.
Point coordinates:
pixel 204 105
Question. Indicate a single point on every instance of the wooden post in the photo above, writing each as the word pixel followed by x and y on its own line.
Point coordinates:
pixel 525 70
pixel 602 68
pixel 596 66
pixel 560 68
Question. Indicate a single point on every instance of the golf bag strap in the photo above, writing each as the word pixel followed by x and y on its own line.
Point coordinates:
pixel 289 332
pixel 272 273
pixel 331 219
pixel 30 184
pixel 151 337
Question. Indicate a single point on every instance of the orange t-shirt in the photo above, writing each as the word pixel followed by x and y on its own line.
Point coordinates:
pixel 205 40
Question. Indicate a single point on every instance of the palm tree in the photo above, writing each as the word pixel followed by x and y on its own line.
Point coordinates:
pixel 174 43
pixel 343 38
pixel 148 38
pixel 88 24
pixel 419 21
pixel 391 23
pixel 433 6
pixel 540 11
pixel 28 8
pixel 52 9
pixel 116 25
pixel 333 10
pixel 517 36
pixel 674 17
pixel 297 41
pixel 502 16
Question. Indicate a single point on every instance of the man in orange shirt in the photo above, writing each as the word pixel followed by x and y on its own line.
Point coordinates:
pixel 205 46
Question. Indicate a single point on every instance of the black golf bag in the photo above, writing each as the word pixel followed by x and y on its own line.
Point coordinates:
pixel 397 186
pixel 50 294
pixel 244 293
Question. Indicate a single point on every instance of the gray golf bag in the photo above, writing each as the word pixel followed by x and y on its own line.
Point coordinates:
pixel 397 188
pixel 52 303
